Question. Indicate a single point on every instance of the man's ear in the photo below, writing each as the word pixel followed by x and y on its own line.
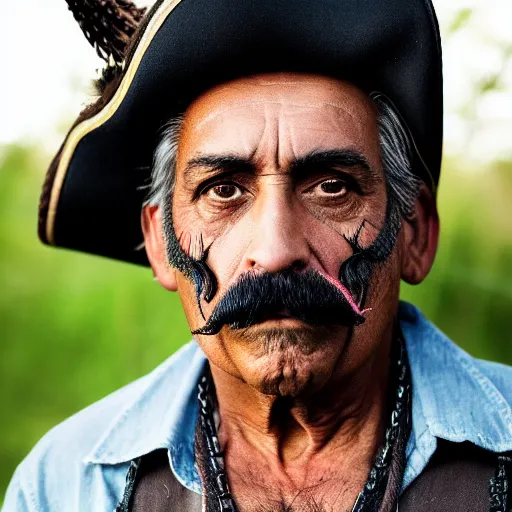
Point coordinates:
pixel 421 233
pixel 154 243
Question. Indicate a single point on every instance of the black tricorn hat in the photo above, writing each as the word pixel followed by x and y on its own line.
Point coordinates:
pixel 93 193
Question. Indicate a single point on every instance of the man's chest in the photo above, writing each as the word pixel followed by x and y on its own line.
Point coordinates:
pixel 457 479
pixel 157 489
pixel 265 495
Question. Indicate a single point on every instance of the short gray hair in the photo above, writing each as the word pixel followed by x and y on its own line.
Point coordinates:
pixel 396 157
pixel 163 172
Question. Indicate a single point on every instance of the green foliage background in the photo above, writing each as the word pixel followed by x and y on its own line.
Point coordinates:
pixel 75 327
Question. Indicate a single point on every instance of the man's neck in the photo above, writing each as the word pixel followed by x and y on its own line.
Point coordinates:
pixel 299 437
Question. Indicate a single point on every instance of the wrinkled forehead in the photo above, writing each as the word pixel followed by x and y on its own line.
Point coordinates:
pixel 305 111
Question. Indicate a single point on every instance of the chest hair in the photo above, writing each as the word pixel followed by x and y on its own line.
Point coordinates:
pixel 253 494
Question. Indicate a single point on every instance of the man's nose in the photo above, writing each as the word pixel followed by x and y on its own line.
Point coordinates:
pixel 278 240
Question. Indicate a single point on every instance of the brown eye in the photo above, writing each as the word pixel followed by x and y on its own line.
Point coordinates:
pixel 332 187
pixel 224 192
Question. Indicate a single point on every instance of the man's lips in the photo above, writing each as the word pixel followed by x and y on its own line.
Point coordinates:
pixel 282 314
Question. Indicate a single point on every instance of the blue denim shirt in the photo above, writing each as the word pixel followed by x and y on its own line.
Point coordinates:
pixel 81 464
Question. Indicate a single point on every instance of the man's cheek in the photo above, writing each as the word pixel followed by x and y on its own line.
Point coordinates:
pixel 384 285
pixel 188 298
pixel 226 257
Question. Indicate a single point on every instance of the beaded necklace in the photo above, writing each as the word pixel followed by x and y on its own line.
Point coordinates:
pixel 371 496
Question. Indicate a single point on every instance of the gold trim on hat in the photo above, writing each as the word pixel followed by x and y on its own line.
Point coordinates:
pixel 87 126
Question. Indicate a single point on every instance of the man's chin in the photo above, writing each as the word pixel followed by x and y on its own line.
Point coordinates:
pixel 289 372
pixel 287 357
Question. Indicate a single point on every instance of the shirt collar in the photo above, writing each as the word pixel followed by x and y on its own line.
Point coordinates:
pixel 452 399
pixel 160 414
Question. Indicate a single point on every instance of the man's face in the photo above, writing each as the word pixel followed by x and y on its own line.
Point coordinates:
pixel 279 173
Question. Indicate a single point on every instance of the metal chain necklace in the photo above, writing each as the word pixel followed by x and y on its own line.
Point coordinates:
pixel 372 494
pixel 499 485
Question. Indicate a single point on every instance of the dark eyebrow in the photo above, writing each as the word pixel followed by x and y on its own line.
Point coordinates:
pixel 210 163
pixel 334 158
pixel 302 166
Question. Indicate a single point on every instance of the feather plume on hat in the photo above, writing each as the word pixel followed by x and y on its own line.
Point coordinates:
pixel 108 25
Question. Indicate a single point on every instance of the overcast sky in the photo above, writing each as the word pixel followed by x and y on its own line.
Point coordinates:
pixel 47 66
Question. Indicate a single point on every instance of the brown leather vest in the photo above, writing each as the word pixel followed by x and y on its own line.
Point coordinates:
pixel 455 480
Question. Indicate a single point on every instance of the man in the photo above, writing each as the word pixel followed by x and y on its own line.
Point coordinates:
pixel 292 187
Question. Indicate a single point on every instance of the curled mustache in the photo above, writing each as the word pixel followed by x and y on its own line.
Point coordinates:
pixel 307 296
